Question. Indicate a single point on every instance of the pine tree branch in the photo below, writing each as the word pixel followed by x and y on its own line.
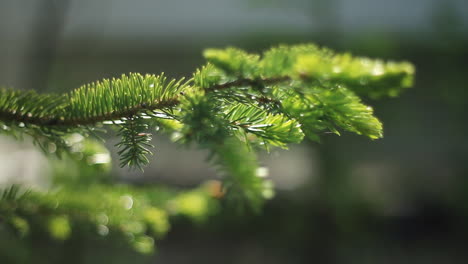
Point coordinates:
pixel 231 106
pixel 273 99
pixel 56 121
pixel 7 116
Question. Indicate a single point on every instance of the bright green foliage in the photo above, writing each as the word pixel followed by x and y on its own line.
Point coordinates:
pixel 265 128
pixel 236 103
pixel 369 77
pixel 24 104
pixel 135 142
pixel 234 61
pixel 50 118
pixel 134 215
pixel 117 98
pixel 331 109
pixel 17 108
pixel 240 164
pixel 215 133
pixel 374 78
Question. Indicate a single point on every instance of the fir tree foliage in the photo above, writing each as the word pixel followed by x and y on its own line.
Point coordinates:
pixel 135 216
pixel 233 105
pixel 85 205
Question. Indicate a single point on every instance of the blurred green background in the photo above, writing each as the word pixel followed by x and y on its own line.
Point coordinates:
pixel 401 199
